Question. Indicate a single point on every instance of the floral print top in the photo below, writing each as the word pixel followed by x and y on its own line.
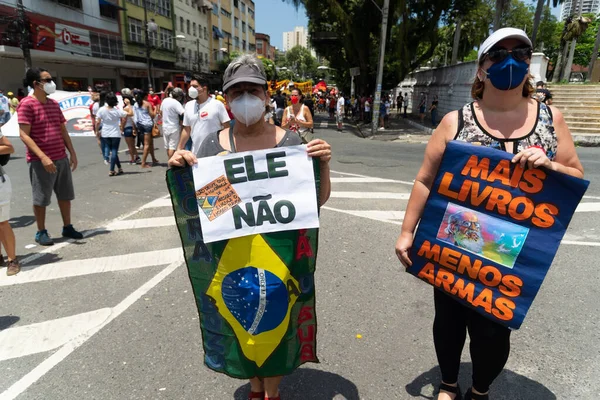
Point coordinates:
pixel 542 135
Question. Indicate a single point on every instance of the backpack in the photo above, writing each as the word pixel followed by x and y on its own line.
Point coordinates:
pixel 4 158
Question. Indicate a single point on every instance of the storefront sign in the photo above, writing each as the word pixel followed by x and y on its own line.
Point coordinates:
pixel 73 40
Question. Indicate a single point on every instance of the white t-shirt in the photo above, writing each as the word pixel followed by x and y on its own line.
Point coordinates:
pixel 171 110
pixel 367 106
pixel 340 104
pixel 111 121
pixel 204 119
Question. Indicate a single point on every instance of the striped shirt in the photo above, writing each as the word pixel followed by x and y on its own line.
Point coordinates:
pixel 45 121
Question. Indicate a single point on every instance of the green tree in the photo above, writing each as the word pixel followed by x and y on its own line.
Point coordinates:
pixel 585 43
pixel 301 62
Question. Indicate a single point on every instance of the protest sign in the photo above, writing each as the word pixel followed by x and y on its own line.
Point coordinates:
pixel 256 192
pixel 255 293
pixel 490 230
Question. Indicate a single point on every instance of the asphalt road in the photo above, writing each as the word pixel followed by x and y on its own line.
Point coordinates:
pixel 113 316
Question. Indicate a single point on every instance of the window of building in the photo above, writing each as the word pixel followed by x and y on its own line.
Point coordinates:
pixel 69 3
pixel 205 33
pixel 252 47
pixel 106 46
pixel 225 13
pixel 259 46
pixel 236 3
pixel 236 41
pixel 153 36
pixel 188 27
pixel 244 44
pixel 243 8
pixel 251 12
pixel 181 24
pixel 244 27
pixel 136 2
pixel 109 11
pixel 236 22
pixel 215 9
pixel 194 29
pixel 226 34
pixel 136 30
pixel 163 7
pixel 206 58
pixel 166 38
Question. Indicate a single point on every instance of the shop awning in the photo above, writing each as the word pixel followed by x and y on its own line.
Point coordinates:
pixel 217 33
pixel 112 3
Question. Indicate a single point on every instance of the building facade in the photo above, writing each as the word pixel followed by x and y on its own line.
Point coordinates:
pixel 78 41
pixel 162 41
pixel 233 29
pixel 263 46
pixel 571 7
pixel 193 20
pixel 297 37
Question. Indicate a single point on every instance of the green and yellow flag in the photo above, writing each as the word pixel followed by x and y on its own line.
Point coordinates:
pixel 255 294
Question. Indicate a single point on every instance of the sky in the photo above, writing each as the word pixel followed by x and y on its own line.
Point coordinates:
pixel 274 17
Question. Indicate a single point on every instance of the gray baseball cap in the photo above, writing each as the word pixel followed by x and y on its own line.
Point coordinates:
pixel 243 71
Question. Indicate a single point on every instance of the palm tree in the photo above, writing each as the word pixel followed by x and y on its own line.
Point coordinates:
pixel 538 16
pixel 501 5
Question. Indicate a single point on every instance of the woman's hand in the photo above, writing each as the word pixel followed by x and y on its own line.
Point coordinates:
pixel 319 148
pixel 534 157
pixel 403 245
pixel 182 158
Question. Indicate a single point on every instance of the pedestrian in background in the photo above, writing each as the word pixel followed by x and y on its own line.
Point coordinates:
pixel 172 115
pixel 13 102
pixel 244 85
pixel 340 111
pixel 422 107
pixel 110 117
pixel 128 127
pixel 503 116
pixel 144 122
pixel 405 104
pixel 434 110
pixel 42 129
pixel 7 236
pixel 298 118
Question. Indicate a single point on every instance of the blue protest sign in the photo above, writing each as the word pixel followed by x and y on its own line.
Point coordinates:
pixel 490 230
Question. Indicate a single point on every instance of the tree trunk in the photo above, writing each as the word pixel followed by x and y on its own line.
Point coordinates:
pixel 559 63
pixel 569 64
pixel 498 14
pixel 594 56
pixel 456 41
pixel 536 21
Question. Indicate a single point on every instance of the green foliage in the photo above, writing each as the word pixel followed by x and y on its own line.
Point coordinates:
pixel 299 60
pixel 269 67
pixel 585 43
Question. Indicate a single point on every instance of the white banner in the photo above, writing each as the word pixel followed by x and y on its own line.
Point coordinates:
pixel 255 192
pixel 76 109
pixel 71 39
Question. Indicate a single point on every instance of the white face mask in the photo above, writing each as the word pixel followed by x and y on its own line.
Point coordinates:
pixel 49 87
pixel 193 92
pixel 248 109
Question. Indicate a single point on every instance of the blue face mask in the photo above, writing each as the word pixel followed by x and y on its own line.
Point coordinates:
pixel 508 73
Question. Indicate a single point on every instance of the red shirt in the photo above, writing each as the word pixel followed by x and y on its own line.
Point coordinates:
pixel 154 99
pixel 45 121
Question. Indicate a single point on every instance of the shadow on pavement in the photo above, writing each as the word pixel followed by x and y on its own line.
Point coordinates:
pixel 310 384
pixel 508 386
pixel 7 320
pixel 44 260
pixel 22 221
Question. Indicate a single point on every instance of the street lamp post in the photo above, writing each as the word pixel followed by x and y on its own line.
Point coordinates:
pixel 377 101
pixel 150 26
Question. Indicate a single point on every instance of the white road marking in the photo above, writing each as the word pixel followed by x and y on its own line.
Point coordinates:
pixel 162 202
pixel 140 223
pixel 588 207
pixel 595 244
pixel 324 124
pixel 363 180
pixel 370 195
pixel 44 336
pixel 373 177
pixel 391 217
pixel 41 369
pixel 67 269
pixel 58 246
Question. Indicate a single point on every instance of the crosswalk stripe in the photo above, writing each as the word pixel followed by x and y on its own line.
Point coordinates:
pixel 363 180
pixel 161 202
pixel 44 336
pixel 588 207
pixel 391 217
pixel 324 124
pixel 140 223
pixel 67 269
pixel 370 195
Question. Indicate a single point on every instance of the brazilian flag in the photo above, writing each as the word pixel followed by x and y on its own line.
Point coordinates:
pixel 255 294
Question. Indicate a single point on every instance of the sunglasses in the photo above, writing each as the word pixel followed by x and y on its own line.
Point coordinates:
pixel 46 80
pixel 520 54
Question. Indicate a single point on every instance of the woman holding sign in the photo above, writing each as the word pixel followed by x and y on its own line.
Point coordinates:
pixel 245 87
pixel 503 116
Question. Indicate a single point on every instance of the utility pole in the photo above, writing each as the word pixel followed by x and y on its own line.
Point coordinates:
pixel 377 101
pixel 24 39
pixel 148 47
pixel 456 42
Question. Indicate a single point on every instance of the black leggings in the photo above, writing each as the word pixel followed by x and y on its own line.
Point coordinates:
pixel 490 342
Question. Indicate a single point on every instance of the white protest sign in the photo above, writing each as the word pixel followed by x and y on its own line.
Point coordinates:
pixel 255 192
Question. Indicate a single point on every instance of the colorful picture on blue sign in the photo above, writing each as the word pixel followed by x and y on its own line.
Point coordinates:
pixel 491 228
pixel 493 238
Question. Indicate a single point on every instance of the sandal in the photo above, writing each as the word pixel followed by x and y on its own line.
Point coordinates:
pixel 451 389
pixel 112 173
pixel 474 396
pixel 120 171
pixel 256 395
